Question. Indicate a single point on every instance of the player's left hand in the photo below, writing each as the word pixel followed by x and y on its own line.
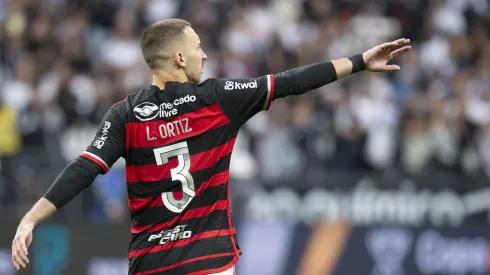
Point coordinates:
pixel 376 59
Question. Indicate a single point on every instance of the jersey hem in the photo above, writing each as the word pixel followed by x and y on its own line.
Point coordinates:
pixel 228 212
pixel 219 269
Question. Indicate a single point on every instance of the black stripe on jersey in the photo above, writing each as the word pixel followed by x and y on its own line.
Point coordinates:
pixel 196 145
pixel 216 220
pixel 143 190
pixel 235 238
pixel 160 214
pixel 194 251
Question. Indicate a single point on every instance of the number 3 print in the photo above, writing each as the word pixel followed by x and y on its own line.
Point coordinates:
pixel 180 173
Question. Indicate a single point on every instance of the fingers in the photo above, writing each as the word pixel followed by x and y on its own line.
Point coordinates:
pixel 23 248
pixel 390 68
pixel 19 256
pixel 395 44
pixel 15 260
pixel 400 51
pixel 19 253
pixel 18 262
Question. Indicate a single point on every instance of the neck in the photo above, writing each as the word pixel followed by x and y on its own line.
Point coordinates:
pixel 161 77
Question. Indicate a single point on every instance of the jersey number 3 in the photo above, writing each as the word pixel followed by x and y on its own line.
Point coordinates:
pixel 180 173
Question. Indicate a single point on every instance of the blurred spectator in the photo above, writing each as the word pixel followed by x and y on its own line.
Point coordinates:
pixel 378 115
pixel 10 145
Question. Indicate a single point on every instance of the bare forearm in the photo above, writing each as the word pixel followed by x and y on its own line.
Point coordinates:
pixel 42 210
pixel 343 67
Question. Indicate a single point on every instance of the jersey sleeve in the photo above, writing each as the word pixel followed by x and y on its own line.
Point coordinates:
pixel 108 144
pixel 242 98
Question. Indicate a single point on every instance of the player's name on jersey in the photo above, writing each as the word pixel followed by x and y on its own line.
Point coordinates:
pixel 168 129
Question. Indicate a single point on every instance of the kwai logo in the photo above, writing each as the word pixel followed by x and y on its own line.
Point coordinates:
pixel 230 85
pixel 146 111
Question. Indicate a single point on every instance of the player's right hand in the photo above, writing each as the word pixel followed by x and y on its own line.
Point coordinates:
pixel 20 244
pixel 376 59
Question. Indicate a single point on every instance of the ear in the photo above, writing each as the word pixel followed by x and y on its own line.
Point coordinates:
pixel 179 59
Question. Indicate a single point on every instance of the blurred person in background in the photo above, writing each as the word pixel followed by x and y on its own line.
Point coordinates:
pixel 10 145
pixel 350 136
pixel 377 114
pixel 416 149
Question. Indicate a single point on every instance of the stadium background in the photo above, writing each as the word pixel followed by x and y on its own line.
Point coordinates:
pixel 375 174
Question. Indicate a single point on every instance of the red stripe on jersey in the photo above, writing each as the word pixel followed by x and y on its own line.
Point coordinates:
pixel 271 92
pixel 139 204
pixel 154 172
pixel 216 179
pixel 204 235
pixel 187 262
pixel 230 224
pixel 155 133
pixel 189 214
pixel 88 155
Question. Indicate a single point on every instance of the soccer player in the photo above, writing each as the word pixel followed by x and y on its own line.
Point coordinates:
pixel 177 137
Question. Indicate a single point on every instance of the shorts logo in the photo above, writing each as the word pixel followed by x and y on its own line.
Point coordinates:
pixel 230 85
pixel 146 111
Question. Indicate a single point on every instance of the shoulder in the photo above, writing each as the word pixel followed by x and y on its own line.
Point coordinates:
pixel 136 97
pixel 134 101
pixel 205 90
pixel 206 86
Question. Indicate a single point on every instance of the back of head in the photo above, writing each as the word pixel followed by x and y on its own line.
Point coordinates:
pixel 159 38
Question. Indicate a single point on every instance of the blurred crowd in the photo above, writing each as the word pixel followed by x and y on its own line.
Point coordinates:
pixel 64 62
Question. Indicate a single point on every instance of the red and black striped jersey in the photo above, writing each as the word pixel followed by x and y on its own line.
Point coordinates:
pixel 177 144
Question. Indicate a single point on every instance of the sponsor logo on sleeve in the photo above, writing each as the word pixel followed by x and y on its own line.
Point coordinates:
pixel 230 85
pixel 99 141
pixel 146 111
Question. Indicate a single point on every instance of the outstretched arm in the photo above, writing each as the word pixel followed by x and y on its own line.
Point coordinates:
pixel 242 98
pixel 303 79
